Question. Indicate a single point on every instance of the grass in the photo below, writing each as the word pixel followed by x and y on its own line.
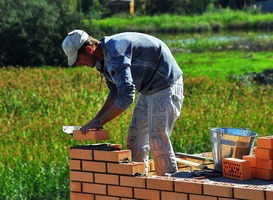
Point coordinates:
pixel 216 20
pixel 223 64
pixel 36 102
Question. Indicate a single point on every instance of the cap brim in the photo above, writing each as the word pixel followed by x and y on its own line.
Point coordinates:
pixel 72 59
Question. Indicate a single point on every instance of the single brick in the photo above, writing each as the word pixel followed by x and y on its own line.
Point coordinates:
pixel 91 135
pixel 253 172
pixel 81 196
pixel 264 164
pixel 101 197
pixel 214 190
pixel 265 142
pixel 126 168
pixel 146 194
pixel 75 164
pixel 84 154
pixel 264 153
pixel 93 166
pixel 94 188
pixel 173 195
pixel 132 181
pixel 107 179
pixel 242 193
pixel 81 176
pixel 269 195
pixel 201 197
pixel 265 174
pixel 188 187
pixel 160 183
pixel 236 168
pixel 75 186
pixel 112 156
pixel 120 191
pixel 251 159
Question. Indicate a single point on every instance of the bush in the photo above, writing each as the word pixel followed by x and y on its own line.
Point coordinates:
pixel 32 32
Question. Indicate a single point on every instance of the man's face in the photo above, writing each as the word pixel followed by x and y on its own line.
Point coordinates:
pixel 86 59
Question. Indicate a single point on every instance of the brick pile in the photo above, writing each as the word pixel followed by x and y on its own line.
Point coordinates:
pixel 105 171
pixel 262 162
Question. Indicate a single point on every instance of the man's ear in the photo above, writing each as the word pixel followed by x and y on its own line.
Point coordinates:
pixel 89 49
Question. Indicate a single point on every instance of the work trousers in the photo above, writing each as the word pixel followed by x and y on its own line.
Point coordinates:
pixel 151 126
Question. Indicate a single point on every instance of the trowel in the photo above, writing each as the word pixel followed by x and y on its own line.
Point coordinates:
pixel 69 129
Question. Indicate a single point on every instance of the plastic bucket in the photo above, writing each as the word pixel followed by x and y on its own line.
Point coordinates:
pixel 230 143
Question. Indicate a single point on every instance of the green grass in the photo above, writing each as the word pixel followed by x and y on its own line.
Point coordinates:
pixel 216 20
pixel 36 102
pixel 223 64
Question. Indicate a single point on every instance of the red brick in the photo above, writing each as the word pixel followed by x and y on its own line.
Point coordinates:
pixel 126 168
pixel 75 164
pixel 120 191
pixel 101 197
pixel 242 193
pixel 173 195
pixel 236 168
pixel 160 183
pixel 84 154
pixel 265 142
pixel 251 159
pixel 75 186
pixel 107 179
pixel 94 166
pixel 91 135
pixel 112 156
pixel 188 187
pixel 94 188
pixel 81 176
pixel 146 194
pixel 253 172
pixel 269 195
pixel 264 164
pixel 265 174
pixel 133 181
pixel 81 196
pixel 216 190
pixel 201 197
pixel 264 153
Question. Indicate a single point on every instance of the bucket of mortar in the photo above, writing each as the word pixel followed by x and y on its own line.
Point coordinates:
pixel 230 143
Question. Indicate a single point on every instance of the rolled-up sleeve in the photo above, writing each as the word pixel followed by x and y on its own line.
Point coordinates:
pixel 120 71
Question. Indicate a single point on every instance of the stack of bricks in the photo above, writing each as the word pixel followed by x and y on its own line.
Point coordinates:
pixel 262 161
pixel 105 172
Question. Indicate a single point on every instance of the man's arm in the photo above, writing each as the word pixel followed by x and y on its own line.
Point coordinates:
pixel 108 112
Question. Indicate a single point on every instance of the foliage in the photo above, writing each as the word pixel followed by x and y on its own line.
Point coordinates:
pixel 32 32
pixel 216 21
pixel 182 7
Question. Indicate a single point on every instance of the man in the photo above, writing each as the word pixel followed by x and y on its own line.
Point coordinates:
pixel 129 62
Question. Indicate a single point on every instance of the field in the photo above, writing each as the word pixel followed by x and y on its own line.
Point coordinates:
pixel 36 102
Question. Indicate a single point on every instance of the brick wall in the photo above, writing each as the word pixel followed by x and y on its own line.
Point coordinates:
pixel 105 171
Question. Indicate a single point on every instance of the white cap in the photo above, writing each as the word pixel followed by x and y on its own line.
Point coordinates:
pixel 72 43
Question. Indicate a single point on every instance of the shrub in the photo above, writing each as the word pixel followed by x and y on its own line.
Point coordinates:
pixel 32 32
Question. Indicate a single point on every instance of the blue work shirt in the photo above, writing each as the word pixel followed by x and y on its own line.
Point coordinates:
pixel 136 61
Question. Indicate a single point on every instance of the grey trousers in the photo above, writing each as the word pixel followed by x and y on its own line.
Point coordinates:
pixel 151 126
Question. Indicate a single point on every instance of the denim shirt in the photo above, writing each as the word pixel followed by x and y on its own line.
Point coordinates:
pixel 136 61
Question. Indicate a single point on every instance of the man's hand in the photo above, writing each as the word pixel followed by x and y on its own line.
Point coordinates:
pixel 92 125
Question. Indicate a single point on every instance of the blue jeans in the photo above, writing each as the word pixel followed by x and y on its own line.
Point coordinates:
pixel 151 126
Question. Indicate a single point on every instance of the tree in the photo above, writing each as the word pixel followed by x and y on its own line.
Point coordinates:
pixel 32 32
